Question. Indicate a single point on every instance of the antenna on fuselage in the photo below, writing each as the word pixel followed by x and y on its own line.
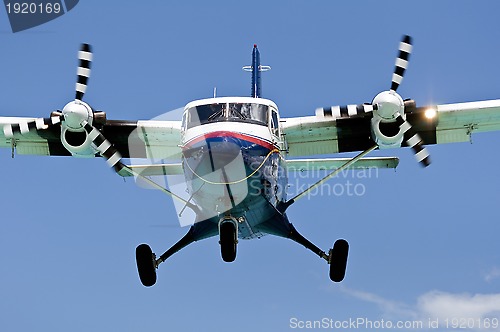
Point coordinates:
pixel 256 68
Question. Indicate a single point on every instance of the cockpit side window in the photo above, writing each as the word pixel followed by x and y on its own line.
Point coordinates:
pixel 275 123
pixel 184 120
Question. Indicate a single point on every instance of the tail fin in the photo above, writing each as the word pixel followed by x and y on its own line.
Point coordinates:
pixel 256 68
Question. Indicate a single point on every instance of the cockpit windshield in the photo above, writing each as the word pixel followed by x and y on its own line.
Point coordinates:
pixel 238 112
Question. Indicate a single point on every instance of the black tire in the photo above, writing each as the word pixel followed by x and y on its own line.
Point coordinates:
pixel 228 241
pixel 338 262
pixel 146 265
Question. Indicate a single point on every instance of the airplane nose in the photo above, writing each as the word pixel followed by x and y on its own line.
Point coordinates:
pixel 214 155
pixel 223 153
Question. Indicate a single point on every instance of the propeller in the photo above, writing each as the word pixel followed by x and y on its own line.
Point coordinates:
pixel 389 104
pixel 104 147
pixel 76 112
pixel 388 107
pixel 405 48
pixel 83 72
pixel 73 113
pixel 76 116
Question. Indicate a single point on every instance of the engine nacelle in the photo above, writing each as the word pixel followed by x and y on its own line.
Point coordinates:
pixel 73 136
pixel 78 143
pixel 387 134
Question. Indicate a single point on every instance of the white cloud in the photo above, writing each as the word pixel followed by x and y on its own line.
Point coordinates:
pixel 438 306
pixel 444 306
pixel 389 307
pixel 493 274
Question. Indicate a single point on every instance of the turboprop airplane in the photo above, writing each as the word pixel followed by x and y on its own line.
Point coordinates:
pixel 235 153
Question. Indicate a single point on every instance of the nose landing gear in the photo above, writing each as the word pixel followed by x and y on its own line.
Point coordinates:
pixel 228 238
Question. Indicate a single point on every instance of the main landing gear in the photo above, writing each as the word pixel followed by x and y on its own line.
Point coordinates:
pixel 147 263
pixel 336 257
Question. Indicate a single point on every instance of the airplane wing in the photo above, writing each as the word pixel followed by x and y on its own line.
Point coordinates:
pixel 345 129
pixel 133 139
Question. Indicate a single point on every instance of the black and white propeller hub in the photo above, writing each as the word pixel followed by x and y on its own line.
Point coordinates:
pixel 388 105
pixel 75 113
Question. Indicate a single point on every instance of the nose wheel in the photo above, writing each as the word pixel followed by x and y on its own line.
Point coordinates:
pixel 338 260
pixel 228 240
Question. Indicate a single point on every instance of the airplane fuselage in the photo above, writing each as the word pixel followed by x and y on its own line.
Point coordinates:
pixel 233 162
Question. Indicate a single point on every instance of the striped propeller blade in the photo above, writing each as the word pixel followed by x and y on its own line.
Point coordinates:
pixel 414 141
pixel 104 147
pixel 83 72
pixel 346 111
pixel 10 130
pixel 405 48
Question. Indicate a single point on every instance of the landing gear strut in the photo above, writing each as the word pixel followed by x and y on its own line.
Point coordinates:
pixel 337 256
pixel 147 262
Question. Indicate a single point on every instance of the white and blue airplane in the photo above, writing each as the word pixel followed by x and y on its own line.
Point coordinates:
pixel 235 152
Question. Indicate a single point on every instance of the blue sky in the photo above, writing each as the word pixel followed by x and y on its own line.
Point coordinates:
pixel 421 239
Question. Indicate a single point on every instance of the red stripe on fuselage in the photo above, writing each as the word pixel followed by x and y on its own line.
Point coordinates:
pixel 248 138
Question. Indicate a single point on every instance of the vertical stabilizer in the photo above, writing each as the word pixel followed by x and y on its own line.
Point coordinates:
pixel 256 68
